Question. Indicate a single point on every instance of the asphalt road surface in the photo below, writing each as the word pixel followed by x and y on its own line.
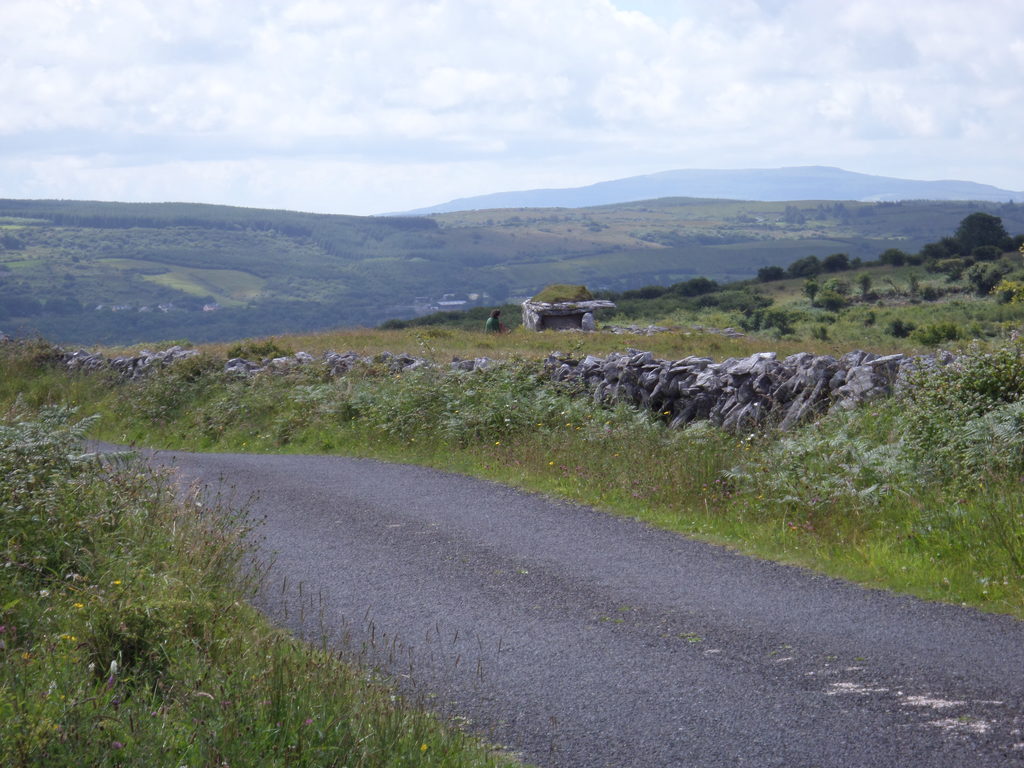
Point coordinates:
pixel 574 638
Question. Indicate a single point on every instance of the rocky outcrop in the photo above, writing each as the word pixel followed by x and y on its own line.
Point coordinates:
pixel 738 394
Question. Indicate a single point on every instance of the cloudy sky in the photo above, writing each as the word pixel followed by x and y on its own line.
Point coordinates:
pixel 366 106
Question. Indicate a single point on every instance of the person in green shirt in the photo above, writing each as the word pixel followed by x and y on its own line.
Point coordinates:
pixel 494 324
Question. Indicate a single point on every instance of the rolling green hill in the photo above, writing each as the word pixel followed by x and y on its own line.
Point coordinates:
pixel 91 272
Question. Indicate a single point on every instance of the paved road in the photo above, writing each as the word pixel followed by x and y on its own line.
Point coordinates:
pixel 579 639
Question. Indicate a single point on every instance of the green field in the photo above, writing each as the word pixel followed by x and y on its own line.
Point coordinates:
pixel 279 271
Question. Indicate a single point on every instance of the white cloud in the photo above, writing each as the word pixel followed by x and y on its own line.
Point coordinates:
pixel 408 99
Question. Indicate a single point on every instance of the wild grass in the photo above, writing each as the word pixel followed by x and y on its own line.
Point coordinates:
pixel 126 639
pixel 918 493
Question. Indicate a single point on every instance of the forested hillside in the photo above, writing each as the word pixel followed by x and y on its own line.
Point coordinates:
pixel 91 272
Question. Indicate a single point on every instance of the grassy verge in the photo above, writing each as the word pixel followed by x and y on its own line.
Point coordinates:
pixel 919 493
pixel 125 638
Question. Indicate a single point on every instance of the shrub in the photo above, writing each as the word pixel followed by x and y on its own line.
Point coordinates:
pixel 893 256
pixel 837 262
pixel 933 335
pixel 762 320
pixel 986 253
pixel 809 266
pixel 830 299
pixel 899 328
pixel 1009 291
pixel 948 424
pixel 768 274
pixel 985 277
pixel 166 391
pixel 39 466
pixel 940 403
pixel 842 287
pixel 952 268
pixel 252 349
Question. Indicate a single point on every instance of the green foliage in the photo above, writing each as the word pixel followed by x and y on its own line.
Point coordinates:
pixel 769 274
pixel 809 266
pixel 837 262
pixel 986 253
pixel 942 407
pixel 162 396
pixel 762 320
pixel 125 638
pixel 939 333
pixel 494 404
pixel 40 462
pixel 830 299
pixel 900 328
pixel 981 229
pixel 835 284
pixel 811 288
pixel 952 268
pixel 553 294
pixel 1011 291
pixel 894 256
pixel 698 286
pixel 936 466
pixel 252 349
pixel 949 422
pixel 985 277
pixel 980 380
pixel 935 252
pixel 470 319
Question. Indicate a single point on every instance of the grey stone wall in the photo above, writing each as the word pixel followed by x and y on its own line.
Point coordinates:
pixel 739 394
pixel 736 394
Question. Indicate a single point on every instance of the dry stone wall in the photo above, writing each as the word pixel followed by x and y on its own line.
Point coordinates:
pixel 737 394
pixel 140 364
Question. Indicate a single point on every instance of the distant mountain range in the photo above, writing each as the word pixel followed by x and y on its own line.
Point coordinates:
pixel 766 184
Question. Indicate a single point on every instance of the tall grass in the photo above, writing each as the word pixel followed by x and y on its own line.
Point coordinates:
pixel 125 638
pixel 917 493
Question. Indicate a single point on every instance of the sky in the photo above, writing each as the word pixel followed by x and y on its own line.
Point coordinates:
pixel 371 106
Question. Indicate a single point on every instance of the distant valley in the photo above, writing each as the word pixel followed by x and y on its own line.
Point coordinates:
pixel 116 273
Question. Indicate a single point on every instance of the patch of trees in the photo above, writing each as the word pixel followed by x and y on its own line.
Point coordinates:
pixel 980 251
pixel 698 286
pixel 809 266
